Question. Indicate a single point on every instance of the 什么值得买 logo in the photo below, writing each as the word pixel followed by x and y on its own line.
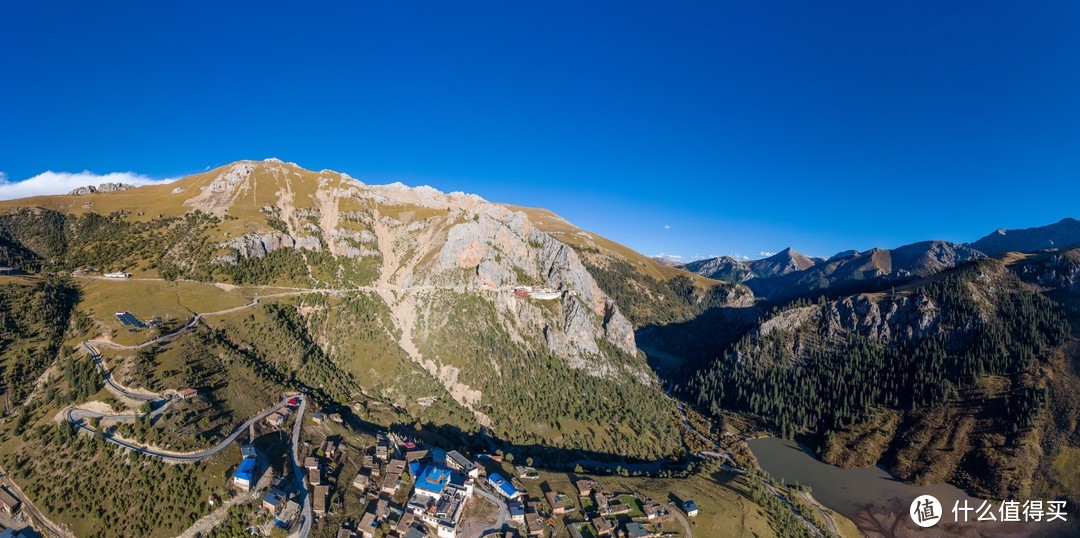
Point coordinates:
pixel 925 511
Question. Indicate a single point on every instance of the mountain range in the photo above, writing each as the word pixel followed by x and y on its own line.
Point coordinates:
pixel 789 274
pixel 505 327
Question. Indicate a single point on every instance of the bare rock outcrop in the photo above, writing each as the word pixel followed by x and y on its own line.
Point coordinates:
pixel 908 318
pixel 253 245
pixel 103 187
pixel 1060 270
pixel 503 248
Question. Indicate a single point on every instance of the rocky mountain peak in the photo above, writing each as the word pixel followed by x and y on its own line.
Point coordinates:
pixel 784 262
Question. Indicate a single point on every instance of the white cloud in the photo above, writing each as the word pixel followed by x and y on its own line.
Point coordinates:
pixel 668 256
pixel 667 226
pixel 697 256
pixel 64 182
pixel 766 254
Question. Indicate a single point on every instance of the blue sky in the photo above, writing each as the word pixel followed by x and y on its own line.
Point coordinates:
pixel 688 129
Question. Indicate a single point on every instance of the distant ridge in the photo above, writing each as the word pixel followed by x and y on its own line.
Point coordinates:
pixel 1061 234
pixel 789 274
pixel 721 268
pixel 784 262
pixel 670 262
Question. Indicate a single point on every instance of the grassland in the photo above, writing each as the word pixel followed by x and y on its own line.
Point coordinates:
pixel 721 497
pixel 174 301
pixel 407 213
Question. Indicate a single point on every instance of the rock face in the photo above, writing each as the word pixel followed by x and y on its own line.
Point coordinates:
pixel 945 325
pixel 790 274
pixel 502 247
pixel 103 187
pixel 722 268
pixel 421 238
pixel 82 191
pixel 908 318
pixel 253 245
pixel 1056 270
pixel 730 269
pixel 889 318
pixel 1062 234
pixel 929 257
pixel 415 292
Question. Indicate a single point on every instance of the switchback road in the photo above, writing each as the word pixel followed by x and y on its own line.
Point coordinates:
pixel 76 416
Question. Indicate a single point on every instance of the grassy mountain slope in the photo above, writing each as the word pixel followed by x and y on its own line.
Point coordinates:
pixel 393 302
pixel 395 260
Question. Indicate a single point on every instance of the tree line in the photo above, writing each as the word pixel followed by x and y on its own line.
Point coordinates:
pixel 838 381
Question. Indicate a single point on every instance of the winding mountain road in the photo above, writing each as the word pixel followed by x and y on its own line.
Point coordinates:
pixel 677 512
pixel 504 512
pixel 77 416
pixel 111 384
pixel 298 472
pixel 824 514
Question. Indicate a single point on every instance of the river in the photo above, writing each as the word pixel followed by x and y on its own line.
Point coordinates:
pixel 877 502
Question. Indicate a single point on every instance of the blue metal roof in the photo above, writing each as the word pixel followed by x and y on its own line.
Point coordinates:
pixel 432 478
pixel 507 488
pixel 246 471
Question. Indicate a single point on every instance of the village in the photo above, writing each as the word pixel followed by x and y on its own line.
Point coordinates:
pixel 333 473
pixel 390 483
